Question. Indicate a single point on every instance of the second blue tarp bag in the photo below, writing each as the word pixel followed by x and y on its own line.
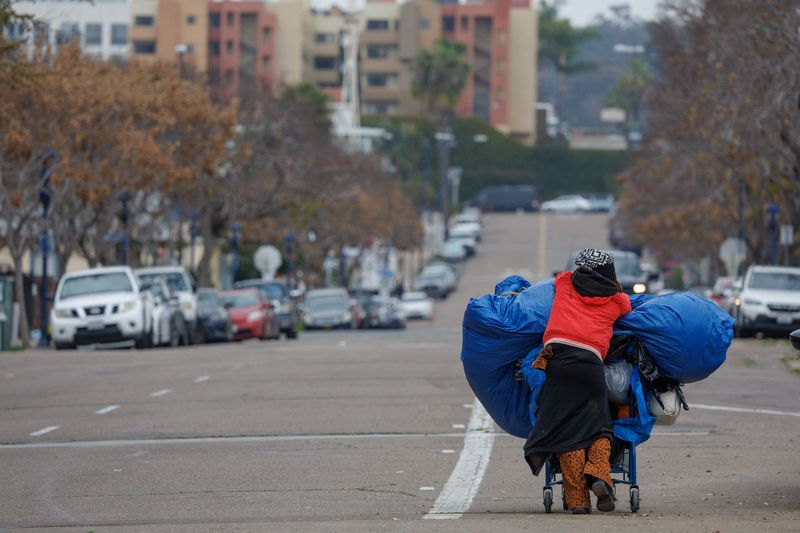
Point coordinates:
pixel 688 338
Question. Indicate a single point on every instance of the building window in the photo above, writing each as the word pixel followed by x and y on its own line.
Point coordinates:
pixel 143 20
pixel 213 48
pixel 464 23
pixel 189 48
pixel 119 34
pixel 67 32
pixel 229 18
pixel 213 21
pixel 325 38
pixel 265 63
pixel 190 20
pixel 41 33
pixel 379 52
pixel 144 47
pixel 324 63
pixel 229 47
pixel 94 34
pixel 424 24
pixel 228 75
pixel 379 108
pixel 377 25
pixel 448 24
pixel 378 80
pixel 266 34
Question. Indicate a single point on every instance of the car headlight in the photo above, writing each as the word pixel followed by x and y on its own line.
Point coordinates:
pixel 750 301
pixel 127 306
pixel 62 312
pixel 737 302
pixel 254 316
pixel 639 288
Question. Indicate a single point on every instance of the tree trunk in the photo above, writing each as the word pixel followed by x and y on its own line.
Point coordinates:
pixel 206 231
pixel 19 289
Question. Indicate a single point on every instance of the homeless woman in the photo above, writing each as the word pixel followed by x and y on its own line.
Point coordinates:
pixel 574 420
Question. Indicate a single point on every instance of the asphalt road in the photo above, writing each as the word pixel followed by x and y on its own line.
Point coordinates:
pixel 367 431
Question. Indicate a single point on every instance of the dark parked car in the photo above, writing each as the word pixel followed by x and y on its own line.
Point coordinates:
pixel 214 318
pixel 329 308
pixel 436 284
pixel 278 294
pixel 508 198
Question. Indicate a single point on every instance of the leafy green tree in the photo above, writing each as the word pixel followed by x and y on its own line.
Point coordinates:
pixel 440 75
pixel 629 93
pixel 560 44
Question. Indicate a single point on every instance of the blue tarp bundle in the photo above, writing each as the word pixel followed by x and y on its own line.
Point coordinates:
pixel 687 337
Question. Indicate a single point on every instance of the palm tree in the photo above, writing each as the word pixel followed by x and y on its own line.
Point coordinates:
pixel 440 75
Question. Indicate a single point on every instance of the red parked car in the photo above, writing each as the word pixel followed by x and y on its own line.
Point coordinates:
pixel 251 315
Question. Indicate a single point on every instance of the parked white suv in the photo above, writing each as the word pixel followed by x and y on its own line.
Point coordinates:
pixel 769 301
pixel 101 307
pixel 180 283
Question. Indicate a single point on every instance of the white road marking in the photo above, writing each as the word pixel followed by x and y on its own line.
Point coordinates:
pixel 680 433
pixel 448 451
pixel 743 410
pixel 427 488
pixel 107 409
pixel 458 426
pixel 542 250
pixel 201 379
pixel 42 431
pixel 161 392
pixel 460 489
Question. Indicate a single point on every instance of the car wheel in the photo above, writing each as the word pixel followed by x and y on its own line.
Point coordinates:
pixel 740 330
pixel 291 333
pixel 174 334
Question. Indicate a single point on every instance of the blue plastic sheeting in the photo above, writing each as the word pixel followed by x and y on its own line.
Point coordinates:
pixel 687 337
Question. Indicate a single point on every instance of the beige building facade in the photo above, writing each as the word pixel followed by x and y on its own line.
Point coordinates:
pixel 171 31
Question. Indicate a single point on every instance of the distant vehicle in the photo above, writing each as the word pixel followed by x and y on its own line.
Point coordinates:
pixel 454 251
pixel 570 203
pixel 360 301
pixel 469 244
pixel 443 266
pixel 769 301
pixel 180 282
pixel 278 295
pixel 417 304
pixel 214 318
pixel 252 315
pixel 630 275
pixel 469 214
pixel 385 313
pixel 169 324
pixel 467 229
pixel 508 198
pixel 328 308
pixel 599 202
pixel 795 338
pixel 718 290
pixel 436 284
pixel 102 307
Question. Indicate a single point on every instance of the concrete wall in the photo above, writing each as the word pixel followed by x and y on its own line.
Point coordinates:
pixel 522 64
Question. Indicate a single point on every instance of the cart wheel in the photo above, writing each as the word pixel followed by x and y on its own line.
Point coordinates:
pixel 548 500
pixel 634 499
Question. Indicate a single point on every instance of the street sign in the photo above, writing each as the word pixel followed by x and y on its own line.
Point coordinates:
pixel 787 234
pixel 733 252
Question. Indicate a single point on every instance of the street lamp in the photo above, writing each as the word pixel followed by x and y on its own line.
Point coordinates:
pixel 45 195
pixel 124 216
pixel 289 242
pixel 773 230
pixel 235 228
pixel 444 140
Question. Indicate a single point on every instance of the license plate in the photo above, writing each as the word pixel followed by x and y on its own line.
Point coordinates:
pixel 784 319
pixel 95 325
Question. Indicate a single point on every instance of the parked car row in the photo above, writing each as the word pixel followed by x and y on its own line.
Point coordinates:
pixel 579 203
pixel 119 307
pixel 335 308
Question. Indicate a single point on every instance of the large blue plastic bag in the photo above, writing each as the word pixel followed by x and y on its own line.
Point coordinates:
pixel 687 336
pixel 637 428
pixel 498 330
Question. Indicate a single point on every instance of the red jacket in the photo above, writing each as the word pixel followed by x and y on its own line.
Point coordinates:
pixel 583 321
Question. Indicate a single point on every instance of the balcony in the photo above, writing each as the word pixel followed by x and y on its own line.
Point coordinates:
pixel 389 64
pixel 380 94
pixel 380 37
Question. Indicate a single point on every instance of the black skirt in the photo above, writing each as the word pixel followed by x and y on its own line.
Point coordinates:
pixel 573 406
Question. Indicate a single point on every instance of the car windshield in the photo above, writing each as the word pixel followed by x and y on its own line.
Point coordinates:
pixel 95 284
pixel 627 266
pixel 454 247
pixel 175 280
pixel 207 299
pixel 775 281
pixel 240 300
pixel 326 303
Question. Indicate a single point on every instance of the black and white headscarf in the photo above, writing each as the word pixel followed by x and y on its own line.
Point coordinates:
pixel 593 258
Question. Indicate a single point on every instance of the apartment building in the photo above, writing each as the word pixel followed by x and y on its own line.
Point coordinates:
pixel 241 46
pixel 324 50
pixel 171 31
pixel 101 28
pixel 500 37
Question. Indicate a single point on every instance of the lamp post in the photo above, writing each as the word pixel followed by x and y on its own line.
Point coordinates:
pixel 289 243
pixel 444 140
pixel 235 228
pixel 773 237
pixel 124 216
pixel 45 195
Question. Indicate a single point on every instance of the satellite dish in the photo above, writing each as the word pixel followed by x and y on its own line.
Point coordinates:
pixel 267 260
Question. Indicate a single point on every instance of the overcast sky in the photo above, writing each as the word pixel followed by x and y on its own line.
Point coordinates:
pixel 580 12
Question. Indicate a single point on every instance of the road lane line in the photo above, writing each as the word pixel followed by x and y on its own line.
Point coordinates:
pixel 460 489
pixel 107 409
pixel 161 392
pixel 743 410
pixel 201 379
pixel 42 431
pixel 543 246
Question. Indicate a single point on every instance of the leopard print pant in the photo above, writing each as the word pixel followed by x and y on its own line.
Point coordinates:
pixel 576 465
